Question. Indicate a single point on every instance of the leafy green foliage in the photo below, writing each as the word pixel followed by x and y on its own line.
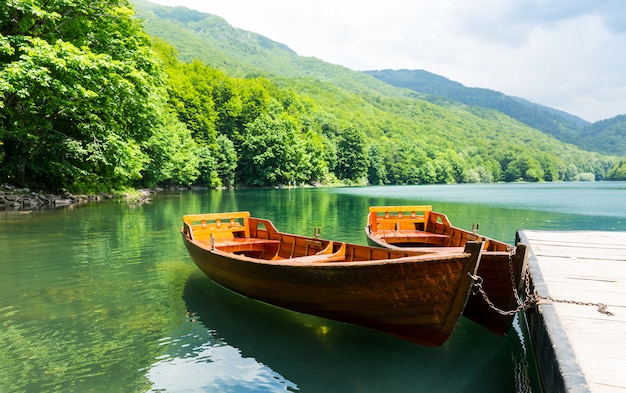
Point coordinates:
pixel 606 136
pixel 271 152
pixel 618 172
pixel 81 98
pixel 558 124
pixel 226 161
pixel 377 170
pixel 175 156
pixel 352 164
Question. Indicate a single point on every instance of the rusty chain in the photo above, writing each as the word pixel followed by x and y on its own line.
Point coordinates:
pixel 531 299
pixel 602 308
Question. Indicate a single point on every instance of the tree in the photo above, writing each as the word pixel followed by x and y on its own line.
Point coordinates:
pixel 525 168
pixel 352 160
pixel 79 94
pixel 377 171
pixel 618 172
pixel 571 172
pixel 226 161
pixel 315 152
pixel 550 167
pixel 191 92
pixel 272 153
pixel 329 129
pixel 174 157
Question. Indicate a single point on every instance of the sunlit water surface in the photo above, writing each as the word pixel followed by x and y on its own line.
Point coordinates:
pixel 104 298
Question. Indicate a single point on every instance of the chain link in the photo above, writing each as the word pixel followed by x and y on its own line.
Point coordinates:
pixel 531 299
pixel 602 308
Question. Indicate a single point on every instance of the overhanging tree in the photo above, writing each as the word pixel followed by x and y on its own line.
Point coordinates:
pixel 79 94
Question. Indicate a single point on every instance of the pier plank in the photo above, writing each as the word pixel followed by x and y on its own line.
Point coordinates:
pixel 583 267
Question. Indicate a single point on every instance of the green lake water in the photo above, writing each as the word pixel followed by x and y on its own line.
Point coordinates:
pixel 104 298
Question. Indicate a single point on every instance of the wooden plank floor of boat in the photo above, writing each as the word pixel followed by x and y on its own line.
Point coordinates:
pixel 579 348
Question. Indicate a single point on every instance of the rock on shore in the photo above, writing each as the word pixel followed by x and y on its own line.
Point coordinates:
pixel 22 198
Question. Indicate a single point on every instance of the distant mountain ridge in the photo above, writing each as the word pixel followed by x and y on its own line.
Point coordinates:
pixel 557 123
pixel 607 136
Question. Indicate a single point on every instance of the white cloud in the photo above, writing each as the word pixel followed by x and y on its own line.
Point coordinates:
pixel 567 54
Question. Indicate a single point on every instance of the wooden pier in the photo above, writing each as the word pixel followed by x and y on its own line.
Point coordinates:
pixel 579 327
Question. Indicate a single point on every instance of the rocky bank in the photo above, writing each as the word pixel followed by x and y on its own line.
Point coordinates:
pixel 15 198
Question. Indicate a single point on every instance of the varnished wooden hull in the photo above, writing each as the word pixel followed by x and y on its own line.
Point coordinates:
pixel 414 297
pixel 501 266
pixel 495 270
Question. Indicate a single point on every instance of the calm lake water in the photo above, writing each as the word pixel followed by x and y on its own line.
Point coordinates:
pixel 104 298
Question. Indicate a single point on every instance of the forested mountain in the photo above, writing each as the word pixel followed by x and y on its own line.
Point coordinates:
pixel 240 53
pixel 608 136
pixel 106 100
pixel 210 39
pixel 553 122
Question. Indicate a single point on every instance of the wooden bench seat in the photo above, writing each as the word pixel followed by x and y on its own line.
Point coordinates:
pixel 316 258
pixel 323 256
pixel 245 244
pixel 439 250
pixel 410 234
pixel 393 236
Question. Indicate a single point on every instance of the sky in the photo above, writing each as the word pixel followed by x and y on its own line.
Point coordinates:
pixel 565 54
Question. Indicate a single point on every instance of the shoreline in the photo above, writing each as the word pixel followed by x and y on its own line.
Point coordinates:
pixel 24 199
pixel 20 199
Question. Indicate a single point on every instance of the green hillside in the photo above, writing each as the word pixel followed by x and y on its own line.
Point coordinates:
pixel 241 53
pixel 556 123
pixel 606 136
pixel 387 115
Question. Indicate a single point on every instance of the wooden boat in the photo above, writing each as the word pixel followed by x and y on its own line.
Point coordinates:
pixel 413 296
pixel 420 229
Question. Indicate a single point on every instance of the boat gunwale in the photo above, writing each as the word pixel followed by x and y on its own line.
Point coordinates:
pixel 419 257
pixel 378 236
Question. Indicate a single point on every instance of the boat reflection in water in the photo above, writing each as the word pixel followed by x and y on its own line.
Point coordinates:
pixel 229 343
pixel 212 366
